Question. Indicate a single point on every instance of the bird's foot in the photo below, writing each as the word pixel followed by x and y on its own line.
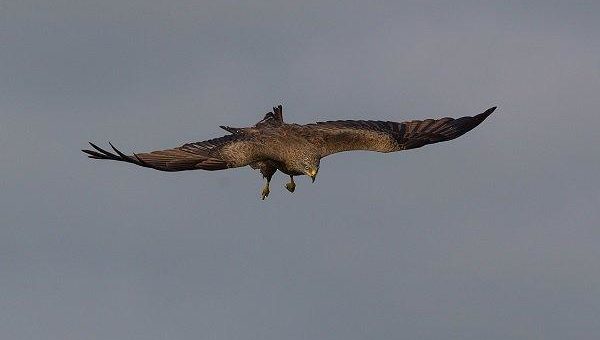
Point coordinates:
pixel 265 191
pixel 291 186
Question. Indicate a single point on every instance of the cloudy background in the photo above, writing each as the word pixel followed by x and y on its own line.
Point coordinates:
pixel 492 236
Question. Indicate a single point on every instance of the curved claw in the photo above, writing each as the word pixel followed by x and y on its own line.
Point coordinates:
pixel 265 192
pixel 291 187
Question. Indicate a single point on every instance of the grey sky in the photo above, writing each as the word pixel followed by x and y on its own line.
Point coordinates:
pixel 491 236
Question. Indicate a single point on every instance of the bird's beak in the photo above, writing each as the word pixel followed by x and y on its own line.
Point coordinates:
pixel 313 175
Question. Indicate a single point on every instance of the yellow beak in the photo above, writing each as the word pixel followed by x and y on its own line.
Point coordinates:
pixel 313 174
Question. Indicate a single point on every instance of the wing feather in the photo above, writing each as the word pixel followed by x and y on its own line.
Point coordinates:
pixel 385 136
pixel 205 155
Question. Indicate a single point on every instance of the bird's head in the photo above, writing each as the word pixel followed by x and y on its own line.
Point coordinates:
pixel 310 166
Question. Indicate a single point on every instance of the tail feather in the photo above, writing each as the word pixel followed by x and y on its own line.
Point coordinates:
pixel 274 117
pixel 232 129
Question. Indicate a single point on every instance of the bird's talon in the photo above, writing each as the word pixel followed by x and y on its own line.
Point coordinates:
pixel 291 187
pixel 265 193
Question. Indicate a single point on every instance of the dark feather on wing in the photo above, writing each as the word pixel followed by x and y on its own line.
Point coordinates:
pixel 385 136
pixel 200 155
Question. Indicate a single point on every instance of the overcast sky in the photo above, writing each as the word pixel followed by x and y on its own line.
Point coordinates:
pixel 494 235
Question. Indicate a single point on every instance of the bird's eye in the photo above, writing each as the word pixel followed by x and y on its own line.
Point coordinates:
pixel 306 167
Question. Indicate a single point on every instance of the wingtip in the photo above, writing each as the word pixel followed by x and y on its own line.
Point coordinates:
pixel 486 113
pixel 490 110
pixel 113 147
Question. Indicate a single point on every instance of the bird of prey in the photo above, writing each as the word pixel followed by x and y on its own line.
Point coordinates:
pixel 294 149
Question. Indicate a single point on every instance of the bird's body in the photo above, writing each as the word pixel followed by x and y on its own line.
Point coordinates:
pixel 276 146
pixel 295 149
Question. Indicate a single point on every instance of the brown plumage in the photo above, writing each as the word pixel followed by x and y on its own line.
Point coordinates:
pixel 294 149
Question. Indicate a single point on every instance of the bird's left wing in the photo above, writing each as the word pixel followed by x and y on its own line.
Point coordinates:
pixel 382 136
pixel 216 154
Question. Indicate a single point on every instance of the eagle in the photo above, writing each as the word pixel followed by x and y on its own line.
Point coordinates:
pixel 294 149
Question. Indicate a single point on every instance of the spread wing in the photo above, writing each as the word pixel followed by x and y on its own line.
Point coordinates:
pixel 216 154
pixel 382 136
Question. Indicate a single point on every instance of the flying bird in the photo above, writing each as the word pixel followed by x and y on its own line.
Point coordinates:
pixel 294 149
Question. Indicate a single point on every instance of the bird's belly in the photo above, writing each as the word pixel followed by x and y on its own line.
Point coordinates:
pixel 281 166
pixel 291 173
pixel 286 170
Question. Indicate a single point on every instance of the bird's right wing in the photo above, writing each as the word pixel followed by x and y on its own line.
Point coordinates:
pixel 216 154
pixel 382 136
